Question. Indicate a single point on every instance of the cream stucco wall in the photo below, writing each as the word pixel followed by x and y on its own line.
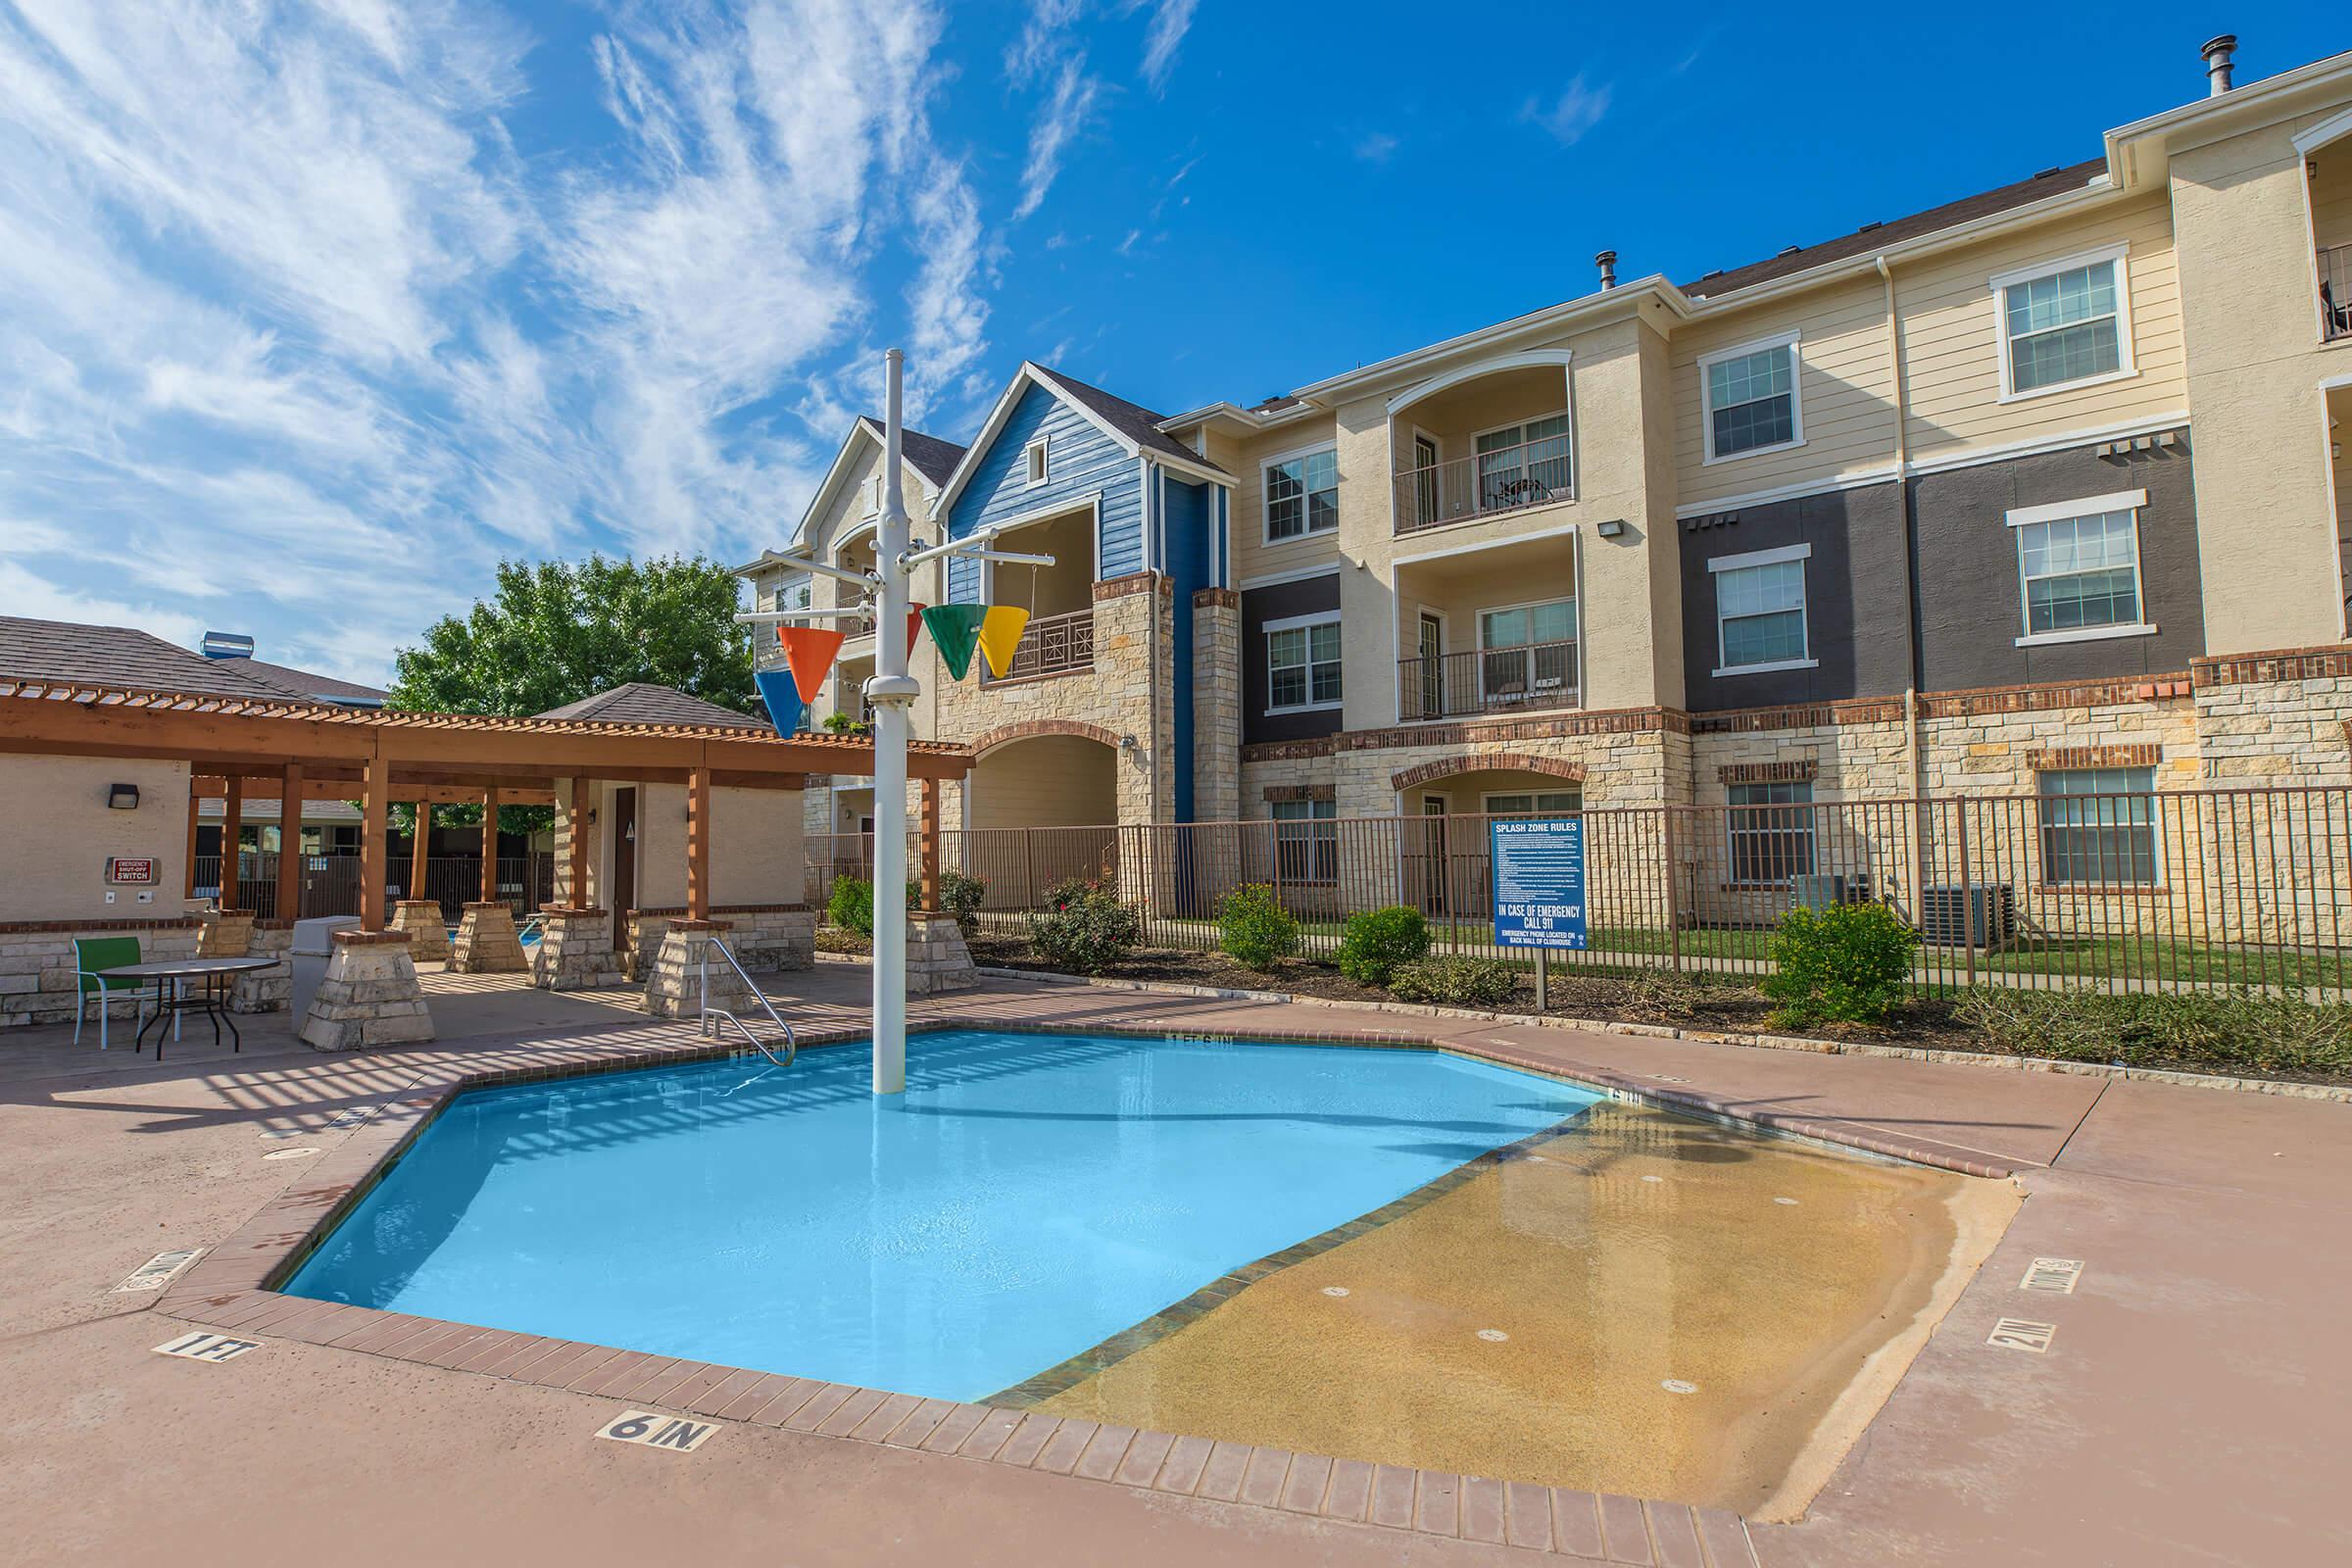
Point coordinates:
pixel 1047 781
pixel 59 833
pixel 2266 530
pixel 756 852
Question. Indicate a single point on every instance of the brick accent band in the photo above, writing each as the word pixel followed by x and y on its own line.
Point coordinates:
pixel 1803 771
pixel 1500 762
pixel 1217 598
pixel 2063 757
pixel 34 928
pixel 1031 729
pixel 1134 582
pixel 1301 791
pixel 2281 663
pixel 1799 716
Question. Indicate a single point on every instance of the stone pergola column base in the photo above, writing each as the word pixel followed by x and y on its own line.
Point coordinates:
pixel 268 990
pixel 575 951
pixel 486 942
pixel 936 958
pixel 368 996
pixel 428 932
pixel 674 982
pixel 224 934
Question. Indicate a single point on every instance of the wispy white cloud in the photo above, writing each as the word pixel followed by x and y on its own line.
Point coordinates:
pixel 1171 20
pixel 1568 116
pixel 1376 147
pixel 1058 123
pixel 1041 38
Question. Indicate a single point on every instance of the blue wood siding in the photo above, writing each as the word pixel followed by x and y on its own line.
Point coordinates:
pixel 1084 465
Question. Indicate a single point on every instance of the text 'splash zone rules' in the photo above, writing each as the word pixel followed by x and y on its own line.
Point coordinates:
pixel 1539 883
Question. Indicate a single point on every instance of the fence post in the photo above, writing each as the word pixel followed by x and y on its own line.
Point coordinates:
pixel 1029 865
pixel 1673 894
pixel 1968 892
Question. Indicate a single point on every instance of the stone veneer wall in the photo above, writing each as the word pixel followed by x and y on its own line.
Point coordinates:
pixel 763 937
pixel 37 977
pixel 1216 705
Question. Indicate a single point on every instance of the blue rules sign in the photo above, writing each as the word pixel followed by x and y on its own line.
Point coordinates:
pixel 1539 882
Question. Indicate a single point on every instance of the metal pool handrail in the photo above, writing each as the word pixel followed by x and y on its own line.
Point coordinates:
pixel 711 1015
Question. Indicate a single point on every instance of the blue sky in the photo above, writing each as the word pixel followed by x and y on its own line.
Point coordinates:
pixel 309 312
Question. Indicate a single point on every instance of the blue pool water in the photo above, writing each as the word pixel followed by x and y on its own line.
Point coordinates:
pixel 1031 1196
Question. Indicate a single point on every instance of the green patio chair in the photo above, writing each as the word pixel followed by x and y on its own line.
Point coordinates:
pixel 92 954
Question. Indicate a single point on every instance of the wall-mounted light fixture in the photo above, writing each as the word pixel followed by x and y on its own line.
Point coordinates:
pixel 1612 528
pixel 1128 743
pixel 121 796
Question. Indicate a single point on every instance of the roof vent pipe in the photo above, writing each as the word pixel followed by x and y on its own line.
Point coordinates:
pixel 2217 53
pixel 1606 260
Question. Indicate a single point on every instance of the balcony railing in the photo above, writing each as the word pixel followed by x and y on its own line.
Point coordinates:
pixel 2336 292
pixel 1486 680
pixel 1055 644
pixel 1484 485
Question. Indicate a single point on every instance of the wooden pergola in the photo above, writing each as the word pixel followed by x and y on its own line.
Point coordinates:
pixel 248 748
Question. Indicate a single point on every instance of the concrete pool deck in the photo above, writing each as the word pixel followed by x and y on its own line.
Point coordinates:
pixel 2189 1408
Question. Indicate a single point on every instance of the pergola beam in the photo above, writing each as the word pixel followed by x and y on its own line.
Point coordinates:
pixel 398 793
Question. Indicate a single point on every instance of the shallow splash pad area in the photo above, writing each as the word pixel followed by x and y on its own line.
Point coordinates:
pixel 1394 1254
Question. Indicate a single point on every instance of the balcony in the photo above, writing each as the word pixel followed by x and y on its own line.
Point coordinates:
pixel 2336 293
pixel 1486 680
pixel 1485 484
pixel 1055 644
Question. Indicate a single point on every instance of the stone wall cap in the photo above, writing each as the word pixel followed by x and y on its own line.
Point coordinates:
pixel 558 911
pixel 368 939
pixel 480 904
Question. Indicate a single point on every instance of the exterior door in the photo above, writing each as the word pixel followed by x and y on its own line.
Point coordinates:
pixel 1425 480
pixel 625 865
pixel 1433 855
pixel 1431 648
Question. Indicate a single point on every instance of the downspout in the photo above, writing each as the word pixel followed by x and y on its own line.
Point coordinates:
pixel 1914 747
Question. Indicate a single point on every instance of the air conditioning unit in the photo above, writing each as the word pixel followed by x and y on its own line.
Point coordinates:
pixel 1979 914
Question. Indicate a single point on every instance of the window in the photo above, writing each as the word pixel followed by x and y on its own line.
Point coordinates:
pixel 1543 802
pixel 2064 322
pixel 793 593
pixel 1302 664
pixel 1302 495
pixel 1752 399
pixel 1306 841
pixel 1528 651
pixel 2099 827
pixel 1760 609
pixel 1523 464
pixel 1034 462
pixel 1770 835
pixel 2077 568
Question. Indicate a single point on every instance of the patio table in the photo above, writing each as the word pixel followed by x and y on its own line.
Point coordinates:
pixel 173 998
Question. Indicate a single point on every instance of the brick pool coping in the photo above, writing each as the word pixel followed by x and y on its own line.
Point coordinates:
pixel 231 1289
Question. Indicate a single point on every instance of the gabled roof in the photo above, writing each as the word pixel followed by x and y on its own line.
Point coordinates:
pixel 1872 237
pixel 125 656
pixel 1138 424
pixel 932 459
pixel 1133 427
pixel 644 702
pixel 930 456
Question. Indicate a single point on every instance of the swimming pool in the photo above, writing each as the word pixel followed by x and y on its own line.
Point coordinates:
pixel 1029 1197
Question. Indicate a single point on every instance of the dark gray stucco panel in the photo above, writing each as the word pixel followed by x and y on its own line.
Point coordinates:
pixel 1279 602
pixel 1854 593
pixel 1970 614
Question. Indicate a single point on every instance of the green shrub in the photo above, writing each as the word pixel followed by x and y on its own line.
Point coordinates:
pixel 1455 982
pixel 852 902
pixel 852 905
pixel 1085 928
pixel 1376 940
pixel 2240 1031
pixel 1849 962
pixel 1254 928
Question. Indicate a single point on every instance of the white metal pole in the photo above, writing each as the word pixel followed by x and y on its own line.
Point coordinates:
pixel 891 692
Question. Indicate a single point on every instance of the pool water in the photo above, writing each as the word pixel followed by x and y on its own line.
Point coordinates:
pixel 1030 1196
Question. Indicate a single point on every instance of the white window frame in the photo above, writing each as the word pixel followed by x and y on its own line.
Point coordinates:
pixel 803 581
pixel 2042 828
pixel 1266 497
pixel 1484 648
pixel 1763 557
pixel 1741 822
pixel 1793 342
pixel 2020 517
pixel 1320 841
pixel 1037 464
pixel 1320 618
pixel 1477 480
pixel 2001 282
pixel 1487 799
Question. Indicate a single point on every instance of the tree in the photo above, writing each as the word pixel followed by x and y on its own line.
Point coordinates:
pixel 557 631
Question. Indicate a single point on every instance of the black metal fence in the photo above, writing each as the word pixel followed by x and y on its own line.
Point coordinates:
pixel 331 883
pixel 2124 891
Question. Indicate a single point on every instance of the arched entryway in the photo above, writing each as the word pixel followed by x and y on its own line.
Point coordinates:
pixel 1445 870
pixel 1042 806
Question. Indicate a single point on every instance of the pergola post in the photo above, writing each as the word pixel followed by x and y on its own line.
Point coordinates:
pixel 374 861
pixel 575 874
pixel 195 819
pixel 930 847
pixel 232 826
pixel 697 844
pixel 289 846
pixel 489 893
pixel 419 850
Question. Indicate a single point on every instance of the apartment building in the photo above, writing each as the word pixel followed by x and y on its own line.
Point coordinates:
pixel 2039 490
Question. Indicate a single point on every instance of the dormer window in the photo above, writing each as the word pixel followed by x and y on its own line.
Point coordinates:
pixel 1032 461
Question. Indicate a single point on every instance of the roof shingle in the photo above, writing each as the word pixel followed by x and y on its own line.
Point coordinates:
pixel 644 702
pixel 1131 420
pixel 122 656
